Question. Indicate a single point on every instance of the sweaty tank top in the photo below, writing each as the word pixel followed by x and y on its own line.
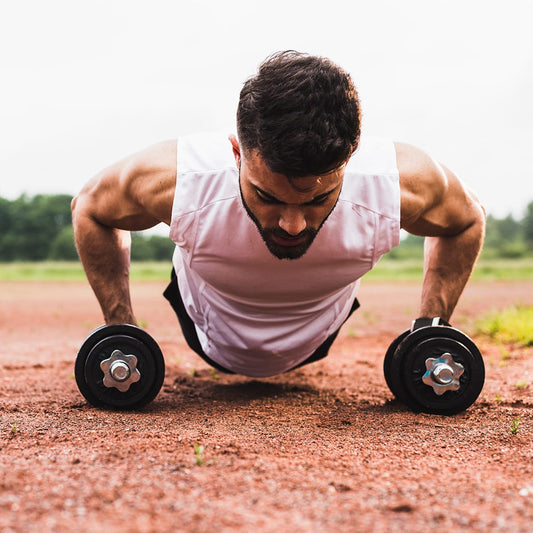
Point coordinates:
pixel 255 314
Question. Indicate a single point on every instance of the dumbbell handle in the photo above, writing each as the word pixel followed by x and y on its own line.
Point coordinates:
pixel 424 321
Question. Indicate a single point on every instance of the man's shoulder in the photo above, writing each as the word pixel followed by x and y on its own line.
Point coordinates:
pixel 371 179
pixel 373 156
pixel 204 151
pixel 206 172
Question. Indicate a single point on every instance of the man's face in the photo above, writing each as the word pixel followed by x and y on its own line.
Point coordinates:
pixel 288 214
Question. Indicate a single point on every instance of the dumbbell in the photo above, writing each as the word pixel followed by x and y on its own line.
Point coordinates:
pixel 434 368
pixel 119 366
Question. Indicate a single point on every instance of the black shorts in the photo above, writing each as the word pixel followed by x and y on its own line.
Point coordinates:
pixel 172 294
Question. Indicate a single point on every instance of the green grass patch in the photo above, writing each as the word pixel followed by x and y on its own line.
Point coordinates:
pixel 42 271
pixel 504 269
pixel 486 269
pixel 396 269
pixel 512 325
pixel 151 271
pixel 388 269
pixel 73 271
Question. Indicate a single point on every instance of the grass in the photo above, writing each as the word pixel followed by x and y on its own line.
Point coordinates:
pixel 386 270
pixel 396 269
pixel 513 324
pixel 73 271
pixel 486 269
pixel 504 269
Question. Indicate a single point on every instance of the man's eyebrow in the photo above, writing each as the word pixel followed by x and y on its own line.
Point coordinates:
pixel 267 195
pixel 272 198
pixel 322 196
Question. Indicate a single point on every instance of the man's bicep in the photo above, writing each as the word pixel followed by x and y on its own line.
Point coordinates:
pixel 434 202
pixel 151 181
pixel 106 200
pixel 135 193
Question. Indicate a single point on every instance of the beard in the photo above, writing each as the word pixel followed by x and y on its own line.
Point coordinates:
pixel 304 239
pixel 280 251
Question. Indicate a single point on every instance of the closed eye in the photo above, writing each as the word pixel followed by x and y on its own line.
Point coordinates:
pixel 266 198
pixel 319 200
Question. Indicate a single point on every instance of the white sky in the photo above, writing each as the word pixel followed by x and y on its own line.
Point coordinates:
pixel 85 83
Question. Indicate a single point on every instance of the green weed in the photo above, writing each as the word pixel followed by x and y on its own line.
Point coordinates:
pixel 515 424
pixel 199 455
pixel 350 332
pixel 511 325
pixel 506 354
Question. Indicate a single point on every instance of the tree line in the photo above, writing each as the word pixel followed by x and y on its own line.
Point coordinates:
pixel 507 238
pixel 39 228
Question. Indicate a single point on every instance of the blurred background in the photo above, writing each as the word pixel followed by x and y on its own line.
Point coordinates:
pixel 86 83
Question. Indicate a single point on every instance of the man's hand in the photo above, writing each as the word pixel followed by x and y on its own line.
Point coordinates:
pixel 435 204
pixel 134 194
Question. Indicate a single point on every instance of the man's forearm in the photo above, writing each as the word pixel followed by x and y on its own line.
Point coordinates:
pixel 449 262
pixel 105 255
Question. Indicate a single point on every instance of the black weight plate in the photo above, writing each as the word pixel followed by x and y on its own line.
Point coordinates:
pixel 99 346
pixel 130 340
pixel 434 341
pixel 391 372
pixel 137 392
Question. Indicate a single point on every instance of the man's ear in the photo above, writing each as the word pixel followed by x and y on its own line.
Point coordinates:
pixel 236 149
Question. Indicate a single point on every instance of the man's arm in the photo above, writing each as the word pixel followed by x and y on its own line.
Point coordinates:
pixel 134 194
pixel 435 204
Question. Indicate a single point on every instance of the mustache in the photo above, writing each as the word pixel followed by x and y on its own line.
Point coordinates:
pixel 282 234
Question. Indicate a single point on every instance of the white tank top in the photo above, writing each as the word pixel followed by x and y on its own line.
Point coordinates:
pixel 255 314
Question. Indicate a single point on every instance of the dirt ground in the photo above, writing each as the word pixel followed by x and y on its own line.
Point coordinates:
pixel 323 448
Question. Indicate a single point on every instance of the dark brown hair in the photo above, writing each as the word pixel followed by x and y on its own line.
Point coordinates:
pixel 301 113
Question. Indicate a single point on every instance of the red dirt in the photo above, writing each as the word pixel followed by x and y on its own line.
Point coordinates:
pixel 323 448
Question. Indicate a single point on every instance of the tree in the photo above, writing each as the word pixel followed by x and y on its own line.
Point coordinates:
pixel 162 248
pixel 527 223
pixel 154 248
pixel 140 248
pixel 6 227
pixel 30 225
pixel 62 247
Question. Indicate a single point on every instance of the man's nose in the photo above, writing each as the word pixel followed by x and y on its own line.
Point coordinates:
pixel 292 220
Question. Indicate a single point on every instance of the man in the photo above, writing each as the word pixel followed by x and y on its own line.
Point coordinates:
pixel 275 228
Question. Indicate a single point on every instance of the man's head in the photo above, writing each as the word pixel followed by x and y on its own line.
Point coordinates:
pixel 298 123
pixel 301 113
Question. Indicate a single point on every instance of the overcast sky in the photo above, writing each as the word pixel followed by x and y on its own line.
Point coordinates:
pixel 85 83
